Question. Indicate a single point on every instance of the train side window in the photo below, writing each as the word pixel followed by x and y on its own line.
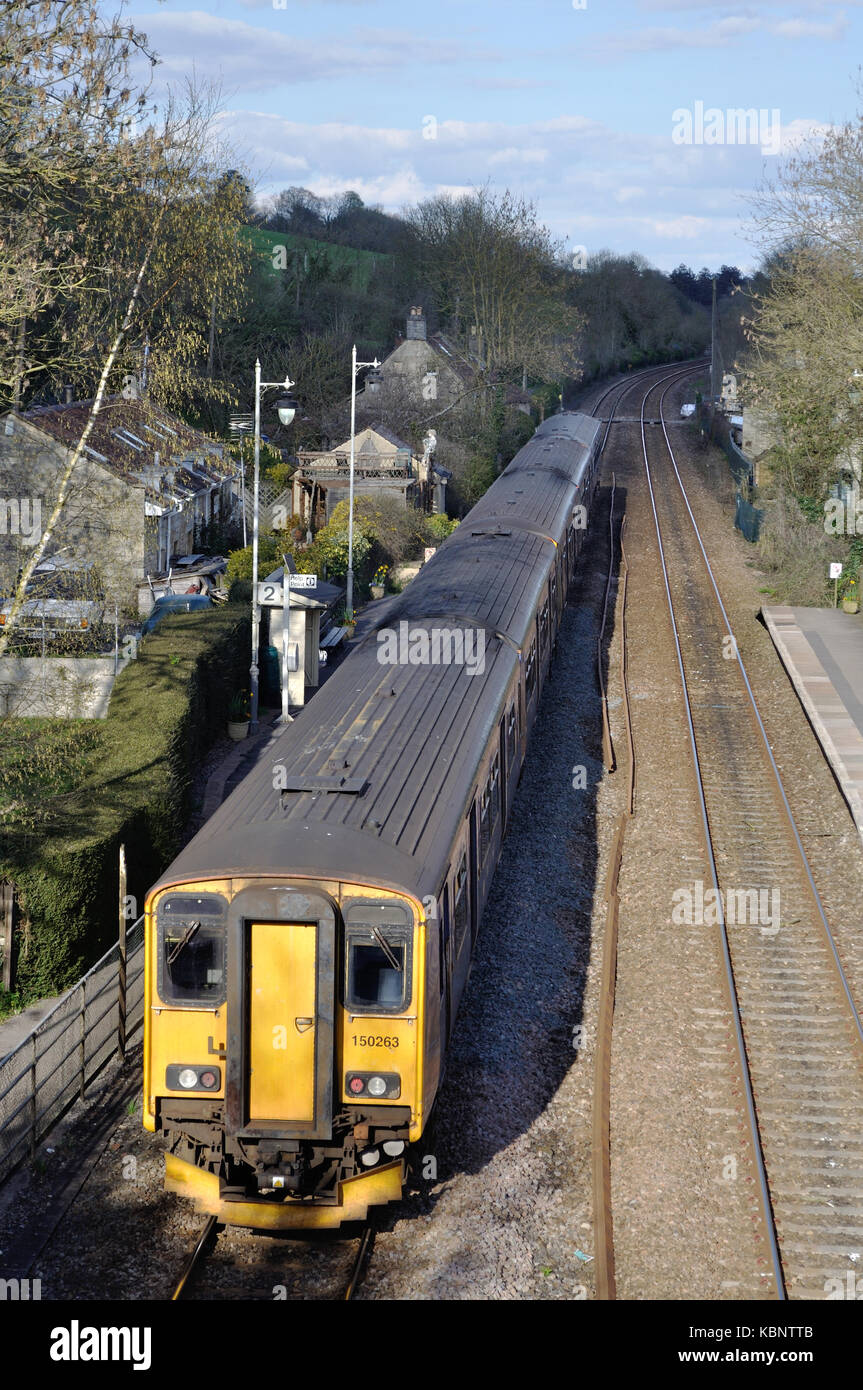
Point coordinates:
pixel 462 903
pixel 494 790
pixel 511 737
pixel 543 627
pixel 443 936
pixel 485 821
pixel 530 673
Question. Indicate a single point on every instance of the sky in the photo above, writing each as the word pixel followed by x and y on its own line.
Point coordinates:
pixel 611 115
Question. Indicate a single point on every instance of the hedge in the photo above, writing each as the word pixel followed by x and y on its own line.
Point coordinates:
pixel 166 709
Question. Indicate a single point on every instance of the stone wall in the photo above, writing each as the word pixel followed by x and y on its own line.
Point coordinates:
pixel 57 687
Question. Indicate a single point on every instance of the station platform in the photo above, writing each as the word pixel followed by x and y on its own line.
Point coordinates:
pixel 822 651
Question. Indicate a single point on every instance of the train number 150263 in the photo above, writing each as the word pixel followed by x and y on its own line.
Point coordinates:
pixel 364 1040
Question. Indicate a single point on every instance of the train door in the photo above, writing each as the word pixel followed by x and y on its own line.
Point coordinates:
pixel 504 770
pixel 445 946
pixel 281 1007
pixel 474 875
pixel 461 919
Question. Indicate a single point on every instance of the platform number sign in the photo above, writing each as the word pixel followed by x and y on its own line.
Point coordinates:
pixel 272 595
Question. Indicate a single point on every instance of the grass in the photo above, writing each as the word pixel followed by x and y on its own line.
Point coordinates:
pixel 42 761
pixel 362 263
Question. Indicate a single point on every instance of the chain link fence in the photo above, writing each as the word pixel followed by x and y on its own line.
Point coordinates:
pixel 67 1049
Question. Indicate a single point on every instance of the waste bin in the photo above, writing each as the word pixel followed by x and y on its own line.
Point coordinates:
pixel 271 683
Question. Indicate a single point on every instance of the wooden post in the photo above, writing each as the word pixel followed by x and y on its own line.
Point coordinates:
pixel 33 1094
pixel 121 960
pixel 82 1066
pixel 7 906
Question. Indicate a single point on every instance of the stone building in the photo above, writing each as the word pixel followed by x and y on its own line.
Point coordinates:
pixel 143 484
pixel 384 466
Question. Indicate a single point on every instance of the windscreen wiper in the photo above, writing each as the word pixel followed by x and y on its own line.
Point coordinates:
pixel 183 942
pixel 386 948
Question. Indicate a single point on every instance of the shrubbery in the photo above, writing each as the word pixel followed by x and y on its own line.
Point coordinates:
pixel 131 786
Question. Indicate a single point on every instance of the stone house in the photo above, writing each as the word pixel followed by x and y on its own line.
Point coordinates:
pixel 384 466
pixel 143 485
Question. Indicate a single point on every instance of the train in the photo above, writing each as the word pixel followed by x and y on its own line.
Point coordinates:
pixel 307 951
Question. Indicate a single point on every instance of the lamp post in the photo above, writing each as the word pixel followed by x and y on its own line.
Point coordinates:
pixel 355 367
pixel 286 406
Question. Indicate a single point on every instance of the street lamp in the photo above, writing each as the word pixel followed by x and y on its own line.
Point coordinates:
pixel 355 367
pixel 286 406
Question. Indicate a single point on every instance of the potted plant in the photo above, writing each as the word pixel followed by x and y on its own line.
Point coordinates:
pixel 238 716
pixel 379 580
pixel 850 601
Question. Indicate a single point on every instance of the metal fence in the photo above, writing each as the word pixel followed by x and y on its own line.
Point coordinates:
pixel 55 1064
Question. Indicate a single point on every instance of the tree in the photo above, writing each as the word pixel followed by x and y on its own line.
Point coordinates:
pixel 498 280
pixel 806 331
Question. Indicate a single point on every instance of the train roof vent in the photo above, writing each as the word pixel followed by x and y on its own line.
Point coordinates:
pixel 348 786
pixel 498 531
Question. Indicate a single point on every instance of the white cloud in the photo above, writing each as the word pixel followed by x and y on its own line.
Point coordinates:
pixel 247 57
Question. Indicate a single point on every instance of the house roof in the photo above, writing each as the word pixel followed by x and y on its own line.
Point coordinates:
pixel 365 441
pixel 141 443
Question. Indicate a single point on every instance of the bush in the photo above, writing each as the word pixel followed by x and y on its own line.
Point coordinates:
pixel 796 552
pixel 438 527
pixel 271 544
pixel 165 711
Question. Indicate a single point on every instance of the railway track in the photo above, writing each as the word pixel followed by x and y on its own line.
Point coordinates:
pixel 205 1245
pixel 797 1027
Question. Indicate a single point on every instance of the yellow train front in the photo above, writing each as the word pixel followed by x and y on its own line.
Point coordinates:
pixel 308 950
pixel 284 1057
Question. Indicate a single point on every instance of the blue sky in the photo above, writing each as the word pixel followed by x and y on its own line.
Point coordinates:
pixel 572 106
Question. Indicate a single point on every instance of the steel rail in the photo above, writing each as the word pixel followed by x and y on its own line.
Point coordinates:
pixel 202 1247
pixel 758 1152
pixel 816 897
pixel 363 1255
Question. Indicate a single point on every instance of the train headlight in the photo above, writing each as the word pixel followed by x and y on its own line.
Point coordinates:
pixel 370 1158
pixel 179 1077
pixel 394 1147
pixel 386 1085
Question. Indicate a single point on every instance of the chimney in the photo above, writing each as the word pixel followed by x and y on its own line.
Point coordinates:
pixel 416 327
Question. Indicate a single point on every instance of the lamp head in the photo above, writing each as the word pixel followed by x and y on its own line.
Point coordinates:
pixel 286 407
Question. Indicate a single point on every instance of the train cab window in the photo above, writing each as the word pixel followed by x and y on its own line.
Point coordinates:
pixel 462 903
pixel 192 949
pixel 377 971
pixel 530 673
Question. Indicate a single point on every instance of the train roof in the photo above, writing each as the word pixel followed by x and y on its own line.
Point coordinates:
pixel 380 766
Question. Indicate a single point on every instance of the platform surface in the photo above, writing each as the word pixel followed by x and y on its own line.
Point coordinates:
pixel 822 651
